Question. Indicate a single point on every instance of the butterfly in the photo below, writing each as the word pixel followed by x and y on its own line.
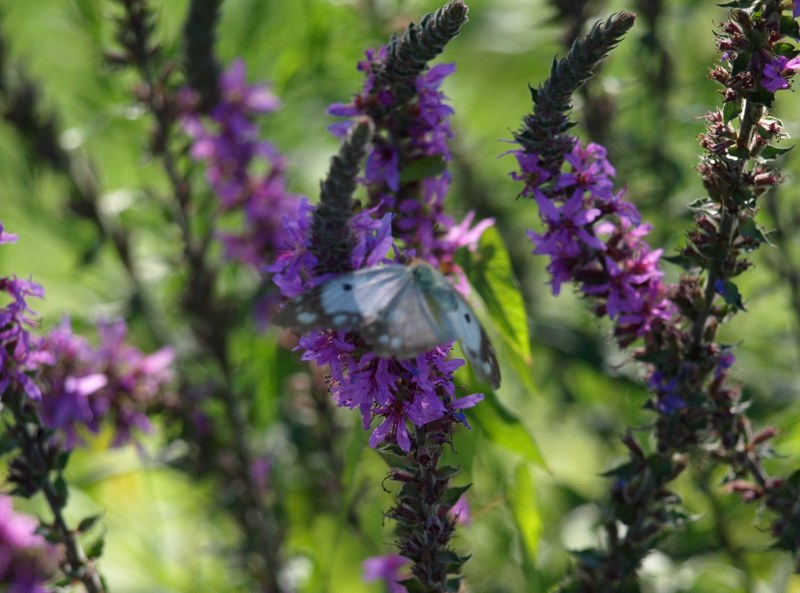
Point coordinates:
pixel 400 310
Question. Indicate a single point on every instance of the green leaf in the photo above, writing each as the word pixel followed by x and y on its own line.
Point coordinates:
pixel 505 430
pixel 88 522
pixel 741 63
pixel 680 260
pixel 422 169
pixel 522 500
pixel 452 495
pixel 8 443
pixel 732 296
pixel 731 110
pixel 62 489
pixel 784 49
pixel 789 26
pixel 96 549
pixel 770 152
pixel 750 229
pixel 490 273
pixel 62 460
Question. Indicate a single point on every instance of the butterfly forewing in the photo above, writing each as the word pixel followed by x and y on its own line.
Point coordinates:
pixel 348 301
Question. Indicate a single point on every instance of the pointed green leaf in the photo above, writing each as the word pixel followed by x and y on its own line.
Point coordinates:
pixel 770 152
pixel 88 522
pixel 749 228
pixel 452 495
pixel 96 549
pixel 731 110
pixel 732 296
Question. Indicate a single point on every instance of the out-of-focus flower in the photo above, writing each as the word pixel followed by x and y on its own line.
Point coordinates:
pixel 88 386
pixel 27 561
pixel 461 512
pixel 387 569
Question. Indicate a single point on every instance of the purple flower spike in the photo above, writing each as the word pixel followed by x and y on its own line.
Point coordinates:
pixel 596 238
pixel 230 146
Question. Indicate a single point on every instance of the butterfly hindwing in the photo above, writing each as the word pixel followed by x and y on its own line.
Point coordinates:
pixel 474 342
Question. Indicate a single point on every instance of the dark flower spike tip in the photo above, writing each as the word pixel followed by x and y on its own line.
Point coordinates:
pixel 332 239
pixel 544 131
pixel 201 65
pixel 409 54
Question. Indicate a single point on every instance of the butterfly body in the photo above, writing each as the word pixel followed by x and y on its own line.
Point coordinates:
pixel 401 311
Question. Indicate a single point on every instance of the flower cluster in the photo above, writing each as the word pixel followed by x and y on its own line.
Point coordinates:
pixel 393 391
pixel 27 561
pixel 88 386
pixel 596 239
pixel 15 341
pixel 245 172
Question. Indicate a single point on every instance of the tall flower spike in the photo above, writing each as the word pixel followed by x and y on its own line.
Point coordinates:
pixel 544 132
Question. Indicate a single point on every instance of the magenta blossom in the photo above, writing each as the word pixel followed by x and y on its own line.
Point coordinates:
pixel 421 135
pixel 390 393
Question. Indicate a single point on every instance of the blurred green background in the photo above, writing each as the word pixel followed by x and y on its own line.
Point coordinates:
pixel 163 532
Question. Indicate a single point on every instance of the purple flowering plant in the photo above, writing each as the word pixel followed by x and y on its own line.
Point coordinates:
pixel 249 412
